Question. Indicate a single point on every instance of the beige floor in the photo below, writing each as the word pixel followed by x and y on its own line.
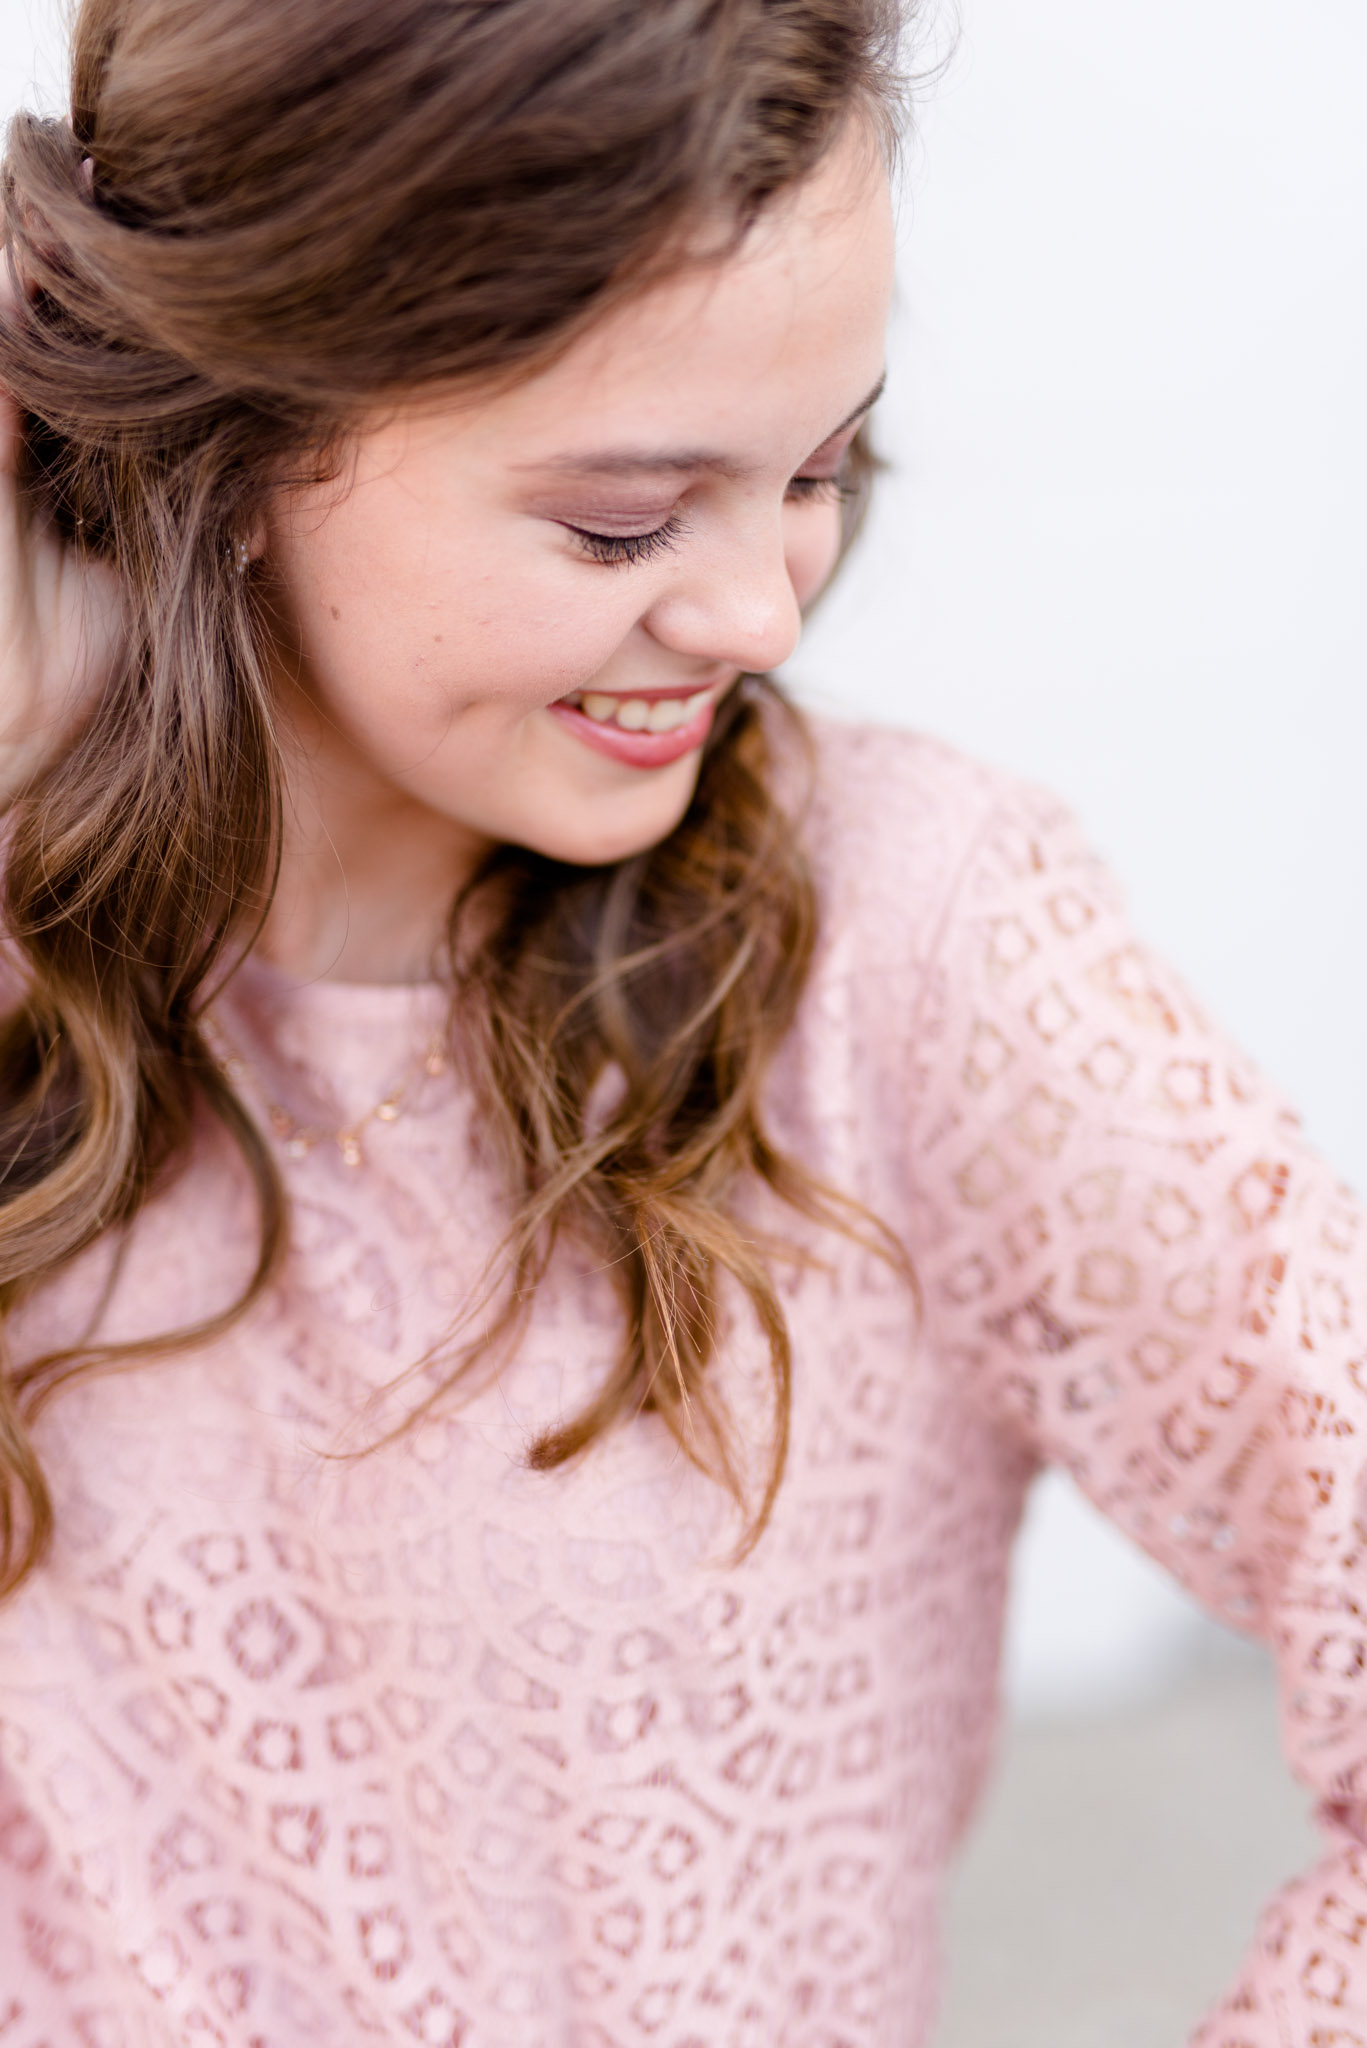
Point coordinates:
pixel 1118 1867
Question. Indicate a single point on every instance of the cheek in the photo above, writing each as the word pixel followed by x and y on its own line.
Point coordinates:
pixel 417 623
pixel 811 548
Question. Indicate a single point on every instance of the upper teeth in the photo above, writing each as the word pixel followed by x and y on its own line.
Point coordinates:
pixel 640 714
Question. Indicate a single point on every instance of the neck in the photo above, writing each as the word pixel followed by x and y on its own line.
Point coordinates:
pixel 368 873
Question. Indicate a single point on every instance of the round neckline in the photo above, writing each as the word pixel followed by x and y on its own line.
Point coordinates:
pixel 261 980
pixel 327 1051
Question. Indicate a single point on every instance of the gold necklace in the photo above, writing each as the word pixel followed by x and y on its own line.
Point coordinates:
pixel 300 1139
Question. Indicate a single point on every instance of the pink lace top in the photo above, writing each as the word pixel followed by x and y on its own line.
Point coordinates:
pixel 423 1747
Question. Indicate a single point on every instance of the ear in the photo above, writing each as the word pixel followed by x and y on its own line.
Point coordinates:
pixel 248 547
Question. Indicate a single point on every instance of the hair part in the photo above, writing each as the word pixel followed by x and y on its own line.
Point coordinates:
pixel 291 214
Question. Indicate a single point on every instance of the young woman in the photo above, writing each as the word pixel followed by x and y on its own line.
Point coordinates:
pixel 549 1213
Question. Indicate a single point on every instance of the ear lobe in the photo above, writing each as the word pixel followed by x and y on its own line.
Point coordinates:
pixel 246 548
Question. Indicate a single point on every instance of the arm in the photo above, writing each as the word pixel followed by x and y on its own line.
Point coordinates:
pixel 51 1965
pixel 1135 1257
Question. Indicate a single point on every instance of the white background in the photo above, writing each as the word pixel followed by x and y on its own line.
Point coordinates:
pixel 1122 546
pixel 1122 550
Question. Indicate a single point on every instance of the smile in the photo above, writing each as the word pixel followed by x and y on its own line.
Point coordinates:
pixel 639 714
pixel 640 732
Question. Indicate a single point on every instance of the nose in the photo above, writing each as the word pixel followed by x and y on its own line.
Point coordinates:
pixel 737 606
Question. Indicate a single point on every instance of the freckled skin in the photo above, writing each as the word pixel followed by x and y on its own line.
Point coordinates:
pixel 406 764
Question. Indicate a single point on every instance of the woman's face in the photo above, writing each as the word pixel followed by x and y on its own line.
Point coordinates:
pixel 511 618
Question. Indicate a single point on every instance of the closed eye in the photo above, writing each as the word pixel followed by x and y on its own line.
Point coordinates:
pixel 626 548
pixel 820 490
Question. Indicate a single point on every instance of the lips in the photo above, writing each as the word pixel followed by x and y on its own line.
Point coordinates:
pixel 640 732
pixel 639 714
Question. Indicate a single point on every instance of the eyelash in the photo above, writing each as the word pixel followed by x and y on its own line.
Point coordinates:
pixel 820 490
pixel 627 549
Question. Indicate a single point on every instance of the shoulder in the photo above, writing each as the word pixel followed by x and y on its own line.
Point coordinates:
pixel 893 765
pixel 905 829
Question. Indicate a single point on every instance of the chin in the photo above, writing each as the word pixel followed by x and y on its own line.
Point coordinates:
pixel 599 841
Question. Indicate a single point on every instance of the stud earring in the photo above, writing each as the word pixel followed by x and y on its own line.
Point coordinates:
pixel 240 555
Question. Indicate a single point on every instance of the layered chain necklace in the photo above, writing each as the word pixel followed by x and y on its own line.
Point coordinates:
pixel 299 1139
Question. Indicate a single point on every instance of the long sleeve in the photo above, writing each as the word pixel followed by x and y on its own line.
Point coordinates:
pixel 52 1958
pixel 1130 1253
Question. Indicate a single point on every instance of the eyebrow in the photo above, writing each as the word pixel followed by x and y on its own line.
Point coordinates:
pixel 636 462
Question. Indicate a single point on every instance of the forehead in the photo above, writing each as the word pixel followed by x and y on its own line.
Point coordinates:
pixel 786 333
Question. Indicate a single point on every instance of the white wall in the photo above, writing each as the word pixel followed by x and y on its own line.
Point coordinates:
pixel 32 55
pixel 1122 548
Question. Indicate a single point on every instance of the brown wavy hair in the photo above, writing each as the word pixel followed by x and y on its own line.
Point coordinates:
pixel 259 219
